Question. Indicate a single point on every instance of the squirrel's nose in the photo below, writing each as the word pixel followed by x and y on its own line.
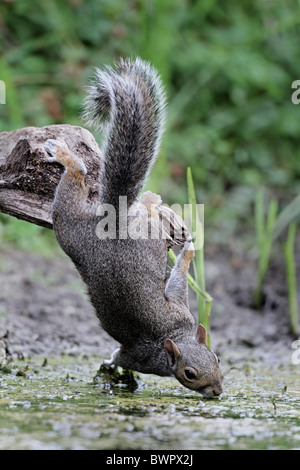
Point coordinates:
pixel 218 390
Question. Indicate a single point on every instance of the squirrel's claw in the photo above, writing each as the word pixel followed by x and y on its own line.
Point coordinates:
pixel 58 152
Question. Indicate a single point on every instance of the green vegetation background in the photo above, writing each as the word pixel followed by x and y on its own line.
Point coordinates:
pixel 228 68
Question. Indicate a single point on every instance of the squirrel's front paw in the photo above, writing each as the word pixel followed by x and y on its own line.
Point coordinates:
pixel 109 365
pixel 51 146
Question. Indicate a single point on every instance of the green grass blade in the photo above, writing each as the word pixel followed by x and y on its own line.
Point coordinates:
pixel 265 237
pixel 291 213
pixel 291 279
pixel 259 218
pixel 198 261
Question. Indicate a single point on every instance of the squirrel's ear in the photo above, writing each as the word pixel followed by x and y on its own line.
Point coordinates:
pixel 172 352
pixel 201 334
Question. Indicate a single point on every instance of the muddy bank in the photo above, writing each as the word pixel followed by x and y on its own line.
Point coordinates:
pixel 44 310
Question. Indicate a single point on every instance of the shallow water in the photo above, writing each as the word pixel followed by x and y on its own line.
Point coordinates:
pixel 55 404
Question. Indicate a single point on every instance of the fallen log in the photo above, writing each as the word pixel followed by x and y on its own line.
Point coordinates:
pixel 28 182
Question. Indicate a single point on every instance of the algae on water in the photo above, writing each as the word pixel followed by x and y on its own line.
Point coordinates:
pixel 57 404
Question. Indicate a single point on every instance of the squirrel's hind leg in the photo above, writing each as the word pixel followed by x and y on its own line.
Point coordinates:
pixel 71 189
pixel 70 207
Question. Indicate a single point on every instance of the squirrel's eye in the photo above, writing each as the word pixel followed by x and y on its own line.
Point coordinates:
pixel 189 374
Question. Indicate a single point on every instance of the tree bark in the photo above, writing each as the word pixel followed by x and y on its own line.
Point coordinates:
pixel 28 182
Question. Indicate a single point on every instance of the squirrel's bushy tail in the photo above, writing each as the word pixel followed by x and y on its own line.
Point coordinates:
pixel 127 102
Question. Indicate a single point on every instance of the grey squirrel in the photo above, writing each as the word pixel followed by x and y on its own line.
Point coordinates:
pixel 126 276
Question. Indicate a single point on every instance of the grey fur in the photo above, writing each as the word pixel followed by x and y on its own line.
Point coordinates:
pixel 126 278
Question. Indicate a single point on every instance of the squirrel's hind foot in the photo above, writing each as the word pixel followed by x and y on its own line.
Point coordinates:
pixel 188 250
pixel 58 152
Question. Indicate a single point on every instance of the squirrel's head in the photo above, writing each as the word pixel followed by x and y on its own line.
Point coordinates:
pixel 194 365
